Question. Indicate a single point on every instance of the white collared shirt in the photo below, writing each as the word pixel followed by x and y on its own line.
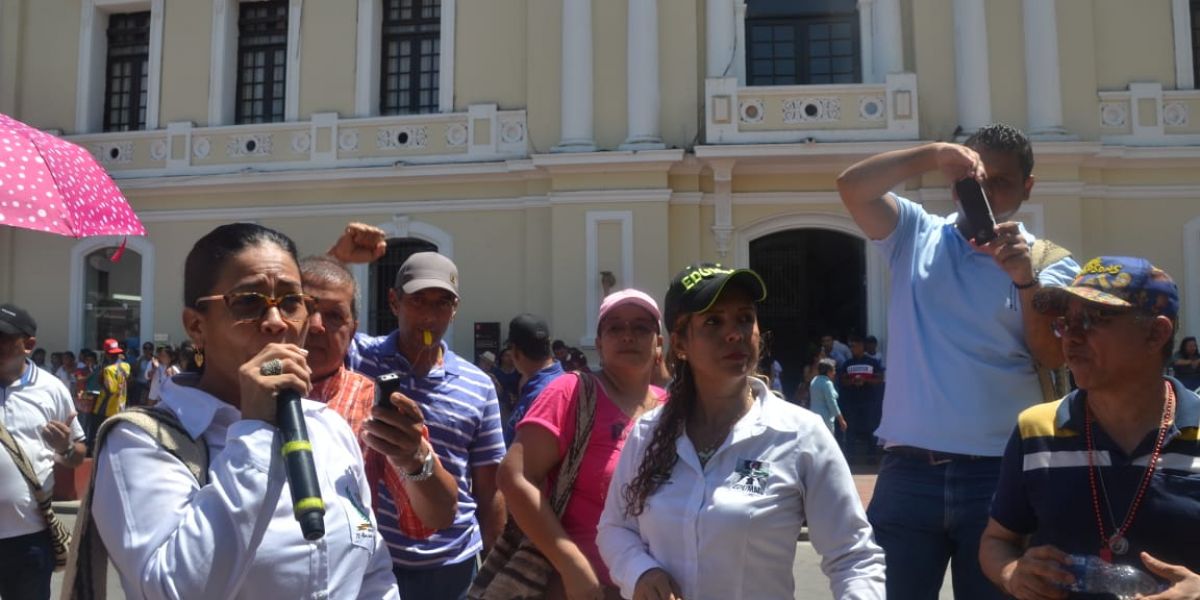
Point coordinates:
pixel 236 537
pixel 26 407
pixel 728 530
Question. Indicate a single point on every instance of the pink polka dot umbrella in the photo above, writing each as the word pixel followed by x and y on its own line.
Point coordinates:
pixel 49 184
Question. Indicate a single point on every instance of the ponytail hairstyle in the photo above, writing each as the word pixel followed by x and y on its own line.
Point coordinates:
pixel 660 457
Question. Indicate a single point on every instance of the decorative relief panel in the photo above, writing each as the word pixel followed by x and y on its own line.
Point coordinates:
pixel 456 135
pixel 1175 114
pixel 158 150
pixel 250 144
pixel 301 142
pixel 201 148
pixel 811 110
pixel 405 137
pixel 1114 114
pixel 115 153
pixel 348 140
pixel 512 131
pixel 751 111
pixel 871 108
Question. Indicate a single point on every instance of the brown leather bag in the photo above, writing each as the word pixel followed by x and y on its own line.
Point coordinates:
pixel 515 569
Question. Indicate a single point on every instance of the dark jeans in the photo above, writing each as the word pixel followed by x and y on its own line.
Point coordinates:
pixel 862 419
pixel 926 515
pixel 26 563
pixel 449 582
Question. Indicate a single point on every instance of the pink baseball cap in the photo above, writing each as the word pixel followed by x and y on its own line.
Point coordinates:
pixel 628 296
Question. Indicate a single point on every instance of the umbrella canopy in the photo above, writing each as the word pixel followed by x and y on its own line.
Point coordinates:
pixel 49 184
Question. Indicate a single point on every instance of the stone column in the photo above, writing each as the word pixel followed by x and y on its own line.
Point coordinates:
pixel 971 83
pixel 577 128
pixel 642 76
pixel 1043 88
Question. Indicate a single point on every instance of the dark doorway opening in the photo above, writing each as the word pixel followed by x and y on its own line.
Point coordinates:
pixel 380 319
pixel 816 284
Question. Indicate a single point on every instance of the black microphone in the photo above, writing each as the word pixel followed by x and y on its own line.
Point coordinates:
pixel 301 469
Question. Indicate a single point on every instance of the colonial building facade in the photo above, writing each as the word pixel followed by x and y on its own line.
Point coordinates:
pixel 541 143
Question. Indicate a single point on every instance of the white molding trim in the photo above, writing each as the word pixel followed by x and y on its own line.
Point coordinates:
pixel 876 275
pixel 1181 18
pixel 446 57
pixel 93 52
pixel 222 71
pixel 222 74
pixel 401 226
pixel 291 94
pixel 1191 272
pixel 593 219
pixel 141 245
pixel 368 57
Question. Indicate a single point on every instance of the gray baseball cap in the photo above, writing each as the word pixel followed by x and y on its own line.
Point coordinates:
pixel 425 270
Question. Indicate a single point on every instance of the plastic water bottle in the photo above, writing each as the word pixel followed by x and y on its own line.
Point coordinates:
pixel 1094 575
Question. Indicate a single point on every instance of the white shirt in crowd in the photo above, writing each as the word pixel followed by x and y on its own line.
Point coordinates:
pixel 236 537
pixel 158 378
pixel 728 530
pixel 25 407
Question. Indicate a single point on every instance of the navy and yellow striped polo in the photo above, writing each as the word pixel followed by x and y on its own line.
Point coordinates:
pixel 1044 490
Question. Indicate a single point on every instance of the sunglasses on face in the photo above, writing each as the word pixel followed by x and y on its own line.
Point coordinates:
pixel 253 306
pixel 1085 322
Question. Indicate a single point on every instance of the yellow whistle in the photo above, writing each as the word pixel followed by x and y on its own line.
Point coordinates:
pixel 428 337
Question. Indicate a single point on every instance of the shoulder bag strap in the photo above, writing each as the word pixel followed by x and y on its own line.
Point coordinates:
pixel 87 570
pixel 585 415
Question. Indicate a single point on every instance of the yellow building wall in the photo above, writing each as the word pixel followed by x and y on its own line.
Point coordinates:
pixel 543 73
pixel 187 56
pixel 490 53
pixel 933 28
pixel 1006 62
pixel 1135 43
pixel 48 55
pixel 327 58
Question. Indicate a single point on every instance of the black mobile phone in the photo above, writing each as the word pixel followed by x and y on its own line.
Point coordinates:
pixel 975 206
pixel 385 386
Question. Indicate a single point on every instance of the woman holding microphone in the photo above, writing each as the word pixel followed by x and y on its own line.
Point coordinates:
pixel 234 535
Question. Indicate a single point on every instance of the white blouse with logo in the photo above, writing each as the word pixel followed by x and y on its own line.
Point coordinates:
pixel 728 530
pixel 236 537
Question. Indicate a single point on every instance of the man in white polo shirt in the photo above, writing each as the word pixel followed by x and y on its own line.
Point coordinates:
pixel 36 409
pixel 963 338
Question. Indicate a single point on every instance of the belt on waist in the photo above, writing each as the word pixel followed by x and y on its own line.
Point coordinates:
pixel 935 457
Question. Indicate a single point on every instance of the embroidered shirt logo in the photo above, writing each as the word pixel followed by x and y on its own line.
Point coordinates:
pixel 751 477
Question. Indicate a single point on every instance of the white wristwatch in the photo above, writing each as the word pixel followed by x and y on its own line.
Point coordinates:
pixel 426 469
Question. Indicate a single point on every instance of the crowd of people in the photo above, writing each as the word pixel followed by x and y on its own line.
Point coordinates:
pixel 673 470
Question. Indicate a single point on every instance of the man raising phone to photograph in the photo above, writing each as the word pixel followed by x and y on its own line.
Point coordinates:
pixel 963 343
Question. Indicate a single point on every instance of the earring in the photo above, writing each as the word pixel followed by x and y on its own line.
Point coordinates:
pixel 683 357
pixel 199 357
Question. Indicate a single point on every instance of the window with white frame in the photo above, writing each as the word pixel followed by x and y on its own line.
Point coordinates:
pixel 800 43
pixel 262 61
pixel 409 69
pixel 127 71
pixel 405 57
pixel 120 65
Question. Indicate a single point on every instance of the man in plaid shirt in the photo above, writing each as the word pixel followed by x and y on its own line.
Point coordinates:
pixel 424 505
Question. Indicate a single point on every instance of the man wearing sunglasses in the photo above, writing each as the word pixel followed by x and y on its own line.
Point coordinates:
pixel 1113 469
pixel 458 404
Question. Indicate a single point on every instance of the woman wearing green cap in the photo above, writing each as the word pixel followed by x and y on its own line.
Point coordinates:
pixel 712 490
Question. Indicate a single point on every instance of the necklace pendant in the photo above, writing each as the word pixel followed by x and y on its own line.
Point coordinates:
pixel 1119 544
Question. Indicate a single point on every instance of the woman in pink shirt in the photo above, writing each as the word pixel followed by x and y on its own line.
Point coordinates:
pixel 628 341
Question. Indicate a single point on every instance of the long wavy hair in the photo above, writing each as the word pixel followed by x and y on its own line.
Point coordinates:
pixel 660 457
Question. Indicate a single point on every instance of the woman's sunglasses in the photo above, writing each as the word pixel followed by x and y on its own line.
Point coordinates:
pixel 253 306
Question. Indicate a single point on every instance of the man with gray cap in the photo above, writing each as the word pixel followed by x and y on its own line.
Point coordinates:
pixel 459 406
pixel 38 415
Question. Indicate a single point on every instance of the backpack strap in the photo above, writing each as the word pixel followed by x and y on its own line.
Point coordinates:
pixel 87 567
pixel 1054 382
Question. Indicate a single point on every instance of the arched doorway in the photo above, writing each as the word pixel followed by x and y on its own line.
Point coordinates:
pixel 380 319
pixel 111 299
pixel 816 284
